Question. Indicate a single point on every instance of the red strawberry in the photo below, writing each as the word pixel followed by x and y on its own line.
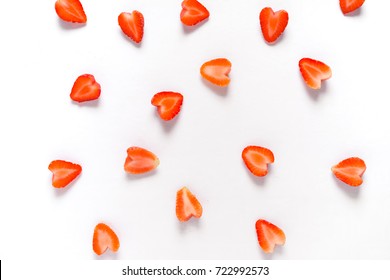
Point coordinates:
pixel 140 161
pixel 216 71
pixel 168 104
pixel 63 172
pixel 273 23
pixel 314 71
pixel 104 238
pixel 256 159
pixel 132 24
pixel 350 171
pixel 348 6
pixel 187 205
pixel 269 235
pixel 70 10
pixel 85 88
pixel 193 12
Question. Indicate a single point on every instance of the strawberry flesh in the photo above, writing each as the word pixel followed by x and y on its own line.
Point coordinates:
pixel 132 25
pixel 85 88
pixel 71 11
pixel 104 238
pixel 269 235
pixel 168 104
pixel 217 71
pixel 273 23
pixel 140 160
pixel 64 172
pixel 314 71
pixel 350 171
pixel 257 159
pixel 187 205
pixel 193 12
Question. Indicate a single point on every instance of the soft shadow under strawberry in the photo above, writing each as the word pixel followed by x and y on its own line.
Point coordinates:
pixel 221 91
pixel 352 192
pixel 70 25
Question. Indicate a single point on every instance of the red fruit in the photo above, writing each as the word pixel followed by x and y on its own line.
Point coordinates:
pixel 85 88
pixel 132 24
pixel 193 12
pixel 256 159
pixel 63 172
pixel 314 71
pixel 348 6
pixel 70 10
pixel 168 104
pixel 140 161
pixel 350 171
pixel 273 23
pixel 104 238
pixel 187 205
pixel 216 71
pixel 269 235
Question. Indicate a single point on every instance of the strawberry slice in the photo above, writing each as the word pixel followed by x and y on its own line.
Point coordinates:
pixel 140 161
pixel 70 10
pixel 216 71
pixel 348 6
pixel 64 172
pixel 168 104
pixel 85 88
pixel 269 235
pixel 273 23
pixel 132 24
pixel 193 12
pixel 314 71
pixel 187 205
pixel 104 238
pixel 256 159
pixel 350 171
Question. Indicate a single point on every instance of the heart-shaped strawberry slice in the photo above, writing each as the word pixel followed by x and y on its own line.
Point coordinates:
pixel 350 171
pixel 273 23
pixel 187 205
pixel 257 159
pixel 168 104
pixel 314 71
pixel 85 88
pixel 348 6
pixel 216 71
pixel 132 24
pixel 193 12
pixel 140 160
pixel 70 10
pixel 104 238
pixel 64 172
pixel 269 235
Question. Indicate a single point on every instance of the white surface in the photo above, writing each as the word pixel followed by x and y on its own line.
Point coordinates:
pixel 266 104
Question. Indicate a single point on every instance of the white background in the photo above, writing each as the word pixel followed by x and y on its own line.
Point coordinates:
pixel 266 104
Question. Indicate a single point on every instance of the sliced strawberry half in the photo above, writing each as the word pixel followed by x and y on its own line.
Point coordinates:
pixel 314 71
pixel 64 172
pixel 70 10
pixel 104 238
pixel 273 23
pixel 187 205
pixel 350 171
pixel 257 159
pixel 168 104
pixel 217 71
pixel 269 235
pixel 348 6
pixel 140 160
pixel 85 88
pixel 193 12
pixel 132 24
